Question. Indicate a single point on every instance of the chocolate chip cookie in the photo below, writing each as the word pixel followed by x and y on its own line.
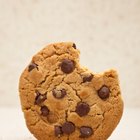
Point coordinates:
pixel 62 100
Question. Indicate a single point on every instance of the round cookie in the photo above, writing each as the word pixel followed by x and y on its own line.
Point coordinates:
pixel 62 100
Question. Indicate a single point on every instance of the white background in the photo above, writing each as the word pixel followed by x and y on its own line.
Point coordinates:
pixel 107 32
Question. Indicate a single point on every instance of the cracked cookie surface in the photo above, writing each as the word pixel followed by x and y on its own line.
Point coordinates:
pixel 62 100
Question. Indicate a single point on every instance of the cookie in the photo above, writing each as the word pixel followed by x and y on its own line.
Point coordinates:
pixel 62 100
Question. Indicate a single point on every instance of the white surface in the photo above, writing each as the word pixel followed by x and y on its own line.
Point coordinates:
pixel 12 126
pixel 106 31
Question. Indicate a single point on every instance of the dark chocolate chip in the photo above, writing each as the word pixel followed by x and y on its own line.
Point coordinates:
pixel 86 131
pixel 87 78
pixel 67 66
pixel 32 66
pixel 45 111
pixel 68 127
pixel 103 92
pixel 59 94
pixel 58 131
pixel 40 98
pixel 74 45
pixel 82 109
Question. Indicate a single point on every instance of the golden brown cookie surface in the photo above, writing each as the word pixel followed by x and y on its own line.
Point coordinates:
pixel 63 101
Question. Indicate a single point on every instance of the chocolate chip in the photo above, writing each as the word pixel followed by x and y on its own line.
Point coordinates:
pixel 58 131
pixel 103 92
pixel 68 127
pixel 40 98
pixel 87 78
pixel 59 94
pixel 82 109
pixel 67 66
pixel 32 66
pixel 85 131
pixel 74 45
pixel 45 111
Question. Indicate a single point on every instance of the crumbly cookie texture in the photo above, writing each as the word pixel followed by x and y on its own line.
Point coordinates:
pixel 62 100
